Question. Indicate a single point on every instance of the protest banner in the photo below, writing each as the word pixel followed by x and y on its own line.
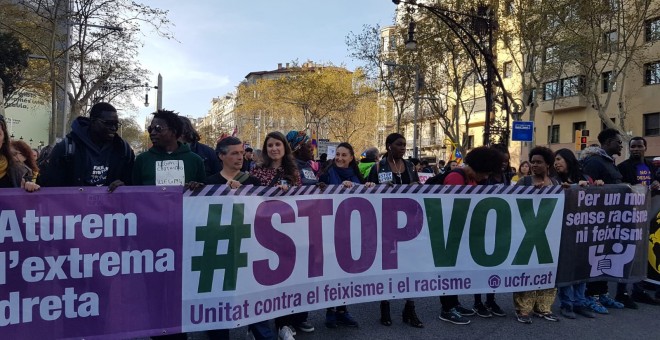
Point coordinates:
pixel 654 242
pixel 255 253
pixel 146 261
pixel 605 235
pixel 78 263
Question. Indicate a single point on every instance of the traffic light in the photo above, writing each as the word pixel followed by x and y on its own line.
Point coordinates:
pixel 583 139
pixel 578 140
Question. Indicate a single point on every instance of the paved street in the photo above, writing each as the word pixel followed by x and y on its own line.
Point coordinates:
pixel 620 324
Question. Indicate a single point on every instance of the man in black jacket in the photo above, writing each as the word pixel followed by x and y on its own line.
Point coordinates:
pixel 92 154
pixel 636 170
pixel 600 165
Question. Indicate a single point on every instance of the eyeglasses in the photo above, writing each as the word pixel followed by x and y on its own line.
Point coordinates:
pixel 109 123
pixel 157 128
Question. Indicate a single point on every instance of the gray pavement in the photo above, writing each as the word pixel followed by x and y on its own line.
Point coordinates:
pixel 619 324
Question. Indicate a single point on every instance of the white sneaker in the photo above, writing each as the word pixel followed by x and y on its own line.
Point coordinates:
pixel 286 333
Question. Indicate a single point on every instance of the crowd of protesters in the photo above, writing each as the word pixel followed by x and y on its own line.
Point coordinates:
pixel 93 154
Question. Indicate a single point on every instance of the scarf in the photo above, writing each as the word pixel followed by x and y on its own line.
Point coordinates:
pixel 3 166
pixel 338 175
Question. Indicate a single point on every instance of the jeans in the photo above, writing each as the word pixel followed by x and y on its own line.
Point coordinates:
pixel 573 295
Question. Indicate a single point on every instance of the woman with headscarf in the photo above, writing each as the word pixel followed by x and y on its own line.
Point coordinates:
pixel 393 169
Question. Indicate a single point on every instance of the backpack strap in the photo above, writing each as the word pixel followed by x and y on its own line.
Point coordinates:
pixel 242 177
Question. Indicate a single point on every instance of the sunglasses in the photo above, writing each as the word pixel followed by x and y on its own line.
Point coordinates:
pixel 109 123
pixel 157 128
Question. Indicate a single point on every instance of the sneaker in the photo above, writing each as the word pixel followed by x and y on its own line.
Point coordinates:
pixel 584 311
pixel 522 318
pixel 331 319
pixel 626 301
pixel 305 326
pixel 567 312
pixel 482 311
pixel 548 316
pixel 464 311
pixel 594 305
pixel 608 302
pixel 494 308
pixel 453 316
pixel 286 333
pixel 644 297
pixel 345 319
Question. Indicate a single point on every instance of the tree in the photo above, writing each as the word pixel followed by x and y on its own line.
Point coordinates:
pixel 102 50
pixel 13 62
pixel 396 83
pixel 131 132
pixel 608 37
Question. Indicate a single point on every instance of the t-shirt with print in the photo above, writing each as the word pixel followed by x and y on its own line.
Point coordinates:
pixel 643 174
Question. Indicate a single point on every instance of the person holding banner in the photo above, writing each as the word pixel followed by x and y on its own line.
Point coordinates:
pixel 12 173
pixel 478 166
pixel 598 163
pixel 278 169
pixel 539 301
pixel 637 170
pixel 342 170
pixel 572 297
pixel 231 153
pixel 393 169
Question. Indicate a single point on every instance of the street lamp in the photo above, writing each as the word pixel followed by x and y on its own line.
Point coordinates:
pixel 483 25
pixel 416 95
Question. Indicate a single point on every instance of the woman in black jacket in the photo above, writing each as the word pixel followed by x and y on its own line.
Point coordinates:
pixel 393 169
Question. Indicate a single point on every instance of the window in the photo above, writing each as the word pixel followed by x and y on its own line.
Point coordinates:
pixel 432 133
pixel 550 90
pixel 603 126
pixel 652 73
pixel 392 43
pixel 470 142
pixel 553 134
pixel 531 97
pixel 608 83
pixel 652 31
pixel 579 126
pixel 509 8
pixel 530 63
pixel 610 41
pixel 652 124
pixel 570 86
pixel 566 87
pixel 508 69
pixel 551 55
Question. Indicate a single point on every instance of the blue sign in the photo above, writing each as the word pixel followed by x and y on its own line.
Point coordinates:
pixel 522 131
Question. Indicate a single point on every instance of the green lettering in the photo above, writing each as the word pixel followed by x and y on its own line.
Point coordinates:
pixel 445 252
pixel 535 226
pixel 502 232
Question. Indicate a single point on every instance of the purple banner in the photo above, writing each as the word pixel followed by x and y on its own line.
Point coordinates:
pixel 87 263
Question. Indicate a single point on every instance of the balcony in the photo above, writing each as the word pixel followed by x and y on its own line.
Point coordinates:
pixel 564 104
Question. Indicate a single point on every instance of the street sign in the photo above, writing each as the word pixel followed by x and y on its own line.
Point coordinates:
pixel 523 131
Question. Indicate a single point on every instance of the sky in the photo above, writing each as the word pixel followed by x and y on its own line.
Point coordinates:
pixel 218 42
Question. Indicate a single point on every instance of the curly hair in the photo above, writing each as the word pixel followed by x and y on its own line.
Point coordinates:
pixel 484 159
pixel 288 161
pixel 172 120
pixel 26 151
pixel 546 153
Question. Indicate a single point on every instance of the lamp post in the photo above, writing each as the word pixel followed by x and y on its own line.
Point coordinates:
pixel 417 83
pixel 482 24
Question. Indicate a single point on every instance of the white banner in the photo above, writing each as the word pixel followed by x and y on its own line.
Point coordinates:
pixel 255 254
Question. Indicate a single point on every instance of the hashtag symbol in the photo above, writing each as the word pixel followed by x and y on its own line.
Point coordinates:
pixel 210 234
